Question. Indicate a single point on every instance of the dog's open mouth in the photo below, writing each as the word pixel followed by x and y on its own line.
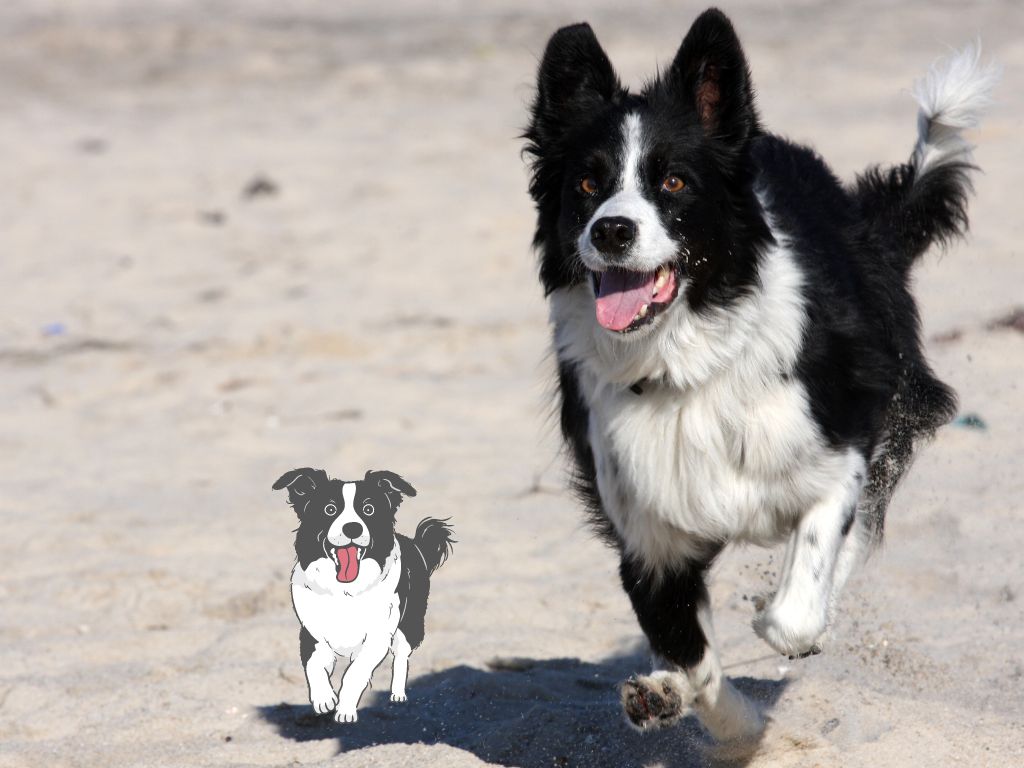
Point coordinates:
pixel 627 300
pixel 347 560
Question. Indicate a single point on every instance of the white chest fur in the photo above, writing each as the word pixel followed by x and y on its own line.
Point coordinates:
pixel 344 615
pixel 715 464
pixel 721 445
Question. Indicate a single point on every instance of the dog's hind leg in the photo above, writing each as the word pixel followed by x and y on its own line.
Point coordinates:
pixel 411 624
pixel 799 612
pixel 400 671
pixel 674 611
pixel 318 662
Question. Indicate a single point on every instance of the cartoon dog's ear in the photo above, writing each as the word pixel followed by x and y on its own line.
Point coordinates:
pixel 300 484
pixel 393 484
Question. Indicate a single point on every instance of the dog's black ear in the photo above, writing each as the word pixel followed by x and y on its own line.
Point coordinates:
pixel 710 74
pixel 393 485
pixel 575 81
pixel 300 484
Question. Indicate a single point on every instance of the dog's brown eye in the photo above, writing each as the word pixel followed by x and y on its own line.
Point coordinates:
pixel 673 184
pixel 588 185
pixel 368 509
pixel 330 510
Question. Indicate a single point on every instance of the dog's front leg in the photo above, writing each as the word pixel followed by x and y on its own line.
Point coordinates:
pixel 674 611
pixel 799 612
pixel 357 678
pixel 400 671
pixel 318 661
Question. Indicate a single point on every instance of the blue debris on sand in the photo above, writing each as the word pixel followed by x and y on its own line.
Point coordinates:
pixel 970 421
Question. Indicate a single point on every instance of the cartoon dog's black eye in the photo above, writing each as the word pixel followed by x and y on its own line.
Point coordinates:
pixel 368 509
pixel 330 510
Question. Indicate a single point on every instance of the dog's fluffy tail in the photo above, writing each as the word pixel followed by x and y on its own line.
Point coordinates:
pixel 924 201
pixel 434 540
pixel 952 97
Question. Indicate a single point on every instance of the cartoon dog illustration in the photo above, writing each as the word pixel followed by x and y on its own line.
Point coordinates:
pixel 358 588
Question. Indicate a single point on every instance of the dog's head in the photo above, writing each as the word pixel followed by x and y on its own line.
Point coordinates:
pixel 349 523
pixel 645 197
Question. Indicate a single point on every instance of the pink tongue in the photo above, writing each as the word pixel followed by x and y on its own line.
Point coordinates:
pixel 620 294
pixel 348 563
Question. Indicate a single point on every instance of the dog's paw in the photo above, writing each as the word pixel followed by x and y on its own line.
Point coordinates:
pixel 399 697
pixel 655 701
pixel 342 715
pixel 814 650
pixel 323 701
pixel 793 633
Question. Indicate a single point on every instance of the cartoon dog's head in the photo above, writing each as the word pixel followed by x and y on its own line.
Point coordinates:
pixel 350 523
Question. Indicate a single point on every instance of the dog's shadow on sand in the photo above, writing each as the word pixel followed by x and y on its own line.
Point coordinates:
pixel 522 712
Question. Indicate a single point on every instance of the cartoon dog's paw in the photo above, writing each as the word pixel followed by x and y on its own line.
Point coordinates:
pixel 342 715
pixel 791 632
pixel 324 700
pixel 655 701
pixel 399 697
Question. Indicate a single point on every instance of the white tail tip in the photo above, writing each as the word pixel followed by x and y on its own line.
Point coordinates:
pixel 952 97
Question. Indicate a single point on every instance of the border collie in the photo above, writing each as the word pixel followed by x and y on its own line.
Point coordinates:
pixel 739 354
pixel 358 588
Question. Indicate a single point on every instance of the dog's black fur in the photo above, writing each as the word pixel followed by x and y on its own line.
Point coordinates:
pixel 748 196
pixel 857 243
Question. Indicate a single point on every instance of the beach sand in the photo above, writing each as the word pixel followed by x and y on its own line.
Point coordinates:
pixel 236 239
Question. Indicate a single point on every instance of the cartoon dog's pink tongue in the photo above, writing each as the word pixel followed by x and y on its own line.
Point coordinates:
pixel 622 294
pixel 348 563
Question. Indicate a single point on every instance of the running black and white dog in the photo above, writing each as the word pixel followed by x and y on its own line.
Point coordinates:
pixel 739 354
pixel 358 588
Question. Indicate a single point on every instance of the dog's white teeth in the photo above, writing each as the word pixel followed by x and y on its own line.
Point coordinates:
pixel 662 278
pixel 642 312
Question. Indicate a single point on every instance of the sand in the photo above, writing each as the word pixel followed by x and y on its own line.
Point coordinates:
pixel 238 239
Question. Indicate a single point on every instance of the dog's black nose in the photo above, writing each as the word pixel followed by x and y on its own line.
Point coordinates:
pixel 352 530
pixel 612 235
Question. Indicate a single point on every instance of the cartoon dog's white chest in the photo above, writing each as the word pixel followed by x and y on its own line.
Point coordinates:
pixel 342 615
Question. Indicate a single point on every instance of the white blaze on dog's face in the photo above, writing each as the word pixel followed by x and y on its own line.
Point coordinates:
pixel 652 245
pixel 632 255
pixel 348 527
pixel 347 537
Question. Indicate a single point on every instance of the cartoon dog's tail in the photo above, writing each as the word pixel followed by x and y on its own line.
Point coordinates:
pixel 434 540
pixel 914 205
